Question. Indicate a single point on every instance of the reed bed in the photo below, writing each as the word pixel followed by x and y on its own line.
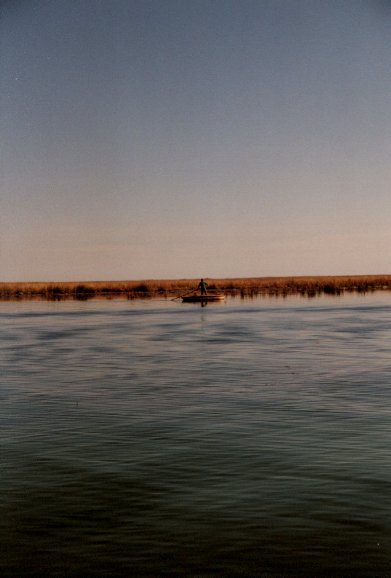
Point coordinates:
pixel 243 287
pixel 309 286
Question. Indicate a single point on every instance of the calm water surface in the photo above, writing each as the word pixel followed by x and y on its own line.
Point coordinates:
pixel 248 438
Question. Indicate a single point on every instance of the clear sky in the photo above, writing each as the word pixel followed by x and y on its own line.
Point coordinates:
pixel 185 138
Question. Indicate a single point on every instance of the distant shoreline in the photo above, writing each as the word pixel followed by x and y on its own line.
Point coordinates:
pixel 307 286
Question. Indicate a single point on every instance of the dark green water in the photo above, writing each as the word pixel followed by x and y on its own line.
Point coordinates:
pixel 251 438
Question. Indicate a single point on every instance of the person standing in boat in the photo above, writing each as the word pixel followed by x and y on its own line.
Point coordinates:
pixel 202 285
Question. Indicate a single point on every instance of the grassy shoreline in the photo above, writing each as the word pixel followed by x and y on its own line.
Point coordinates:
pixel 307 286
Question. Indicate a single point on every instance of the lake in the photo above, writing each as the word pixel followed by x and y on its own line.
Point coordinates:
pixel 155 438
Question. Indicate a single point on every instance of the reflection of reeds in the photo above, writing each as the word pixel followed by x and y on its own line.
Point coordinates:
pixel 244 287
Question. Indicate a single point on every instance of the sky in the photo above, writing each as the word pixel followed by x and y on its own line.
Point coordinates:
pixel 164 139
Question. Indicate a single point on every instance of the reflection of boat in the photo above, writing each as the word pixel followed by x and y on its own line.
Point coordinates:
pixel 203 298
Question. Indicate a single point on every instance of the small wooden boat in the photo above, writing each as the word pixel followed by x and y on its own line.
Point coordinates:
pixel 197 298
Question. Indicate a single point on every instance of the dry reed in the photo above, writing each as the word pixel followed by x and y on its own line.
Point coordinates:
pixel 244 287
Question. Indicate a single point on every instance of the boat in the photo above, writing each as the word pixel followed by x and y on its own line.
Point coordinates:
pixel 197 298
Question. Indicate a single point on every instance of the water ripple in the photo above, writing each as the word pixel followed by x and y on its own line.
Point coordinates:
pixel 156 439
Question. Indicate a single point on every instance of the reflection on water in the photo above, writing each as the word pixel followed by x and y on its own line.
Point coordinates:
pixel 161 439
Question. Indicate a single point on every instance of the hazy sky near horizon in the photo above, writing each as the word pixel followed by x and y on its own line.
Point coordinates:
pixel 184 138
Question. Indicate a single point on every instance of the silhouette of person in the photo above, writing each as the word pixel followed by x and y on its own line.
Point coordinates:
pixel 202 285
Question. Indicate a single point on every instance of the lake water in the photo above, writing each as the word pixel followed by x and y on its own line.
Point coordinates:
pixel 246 438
